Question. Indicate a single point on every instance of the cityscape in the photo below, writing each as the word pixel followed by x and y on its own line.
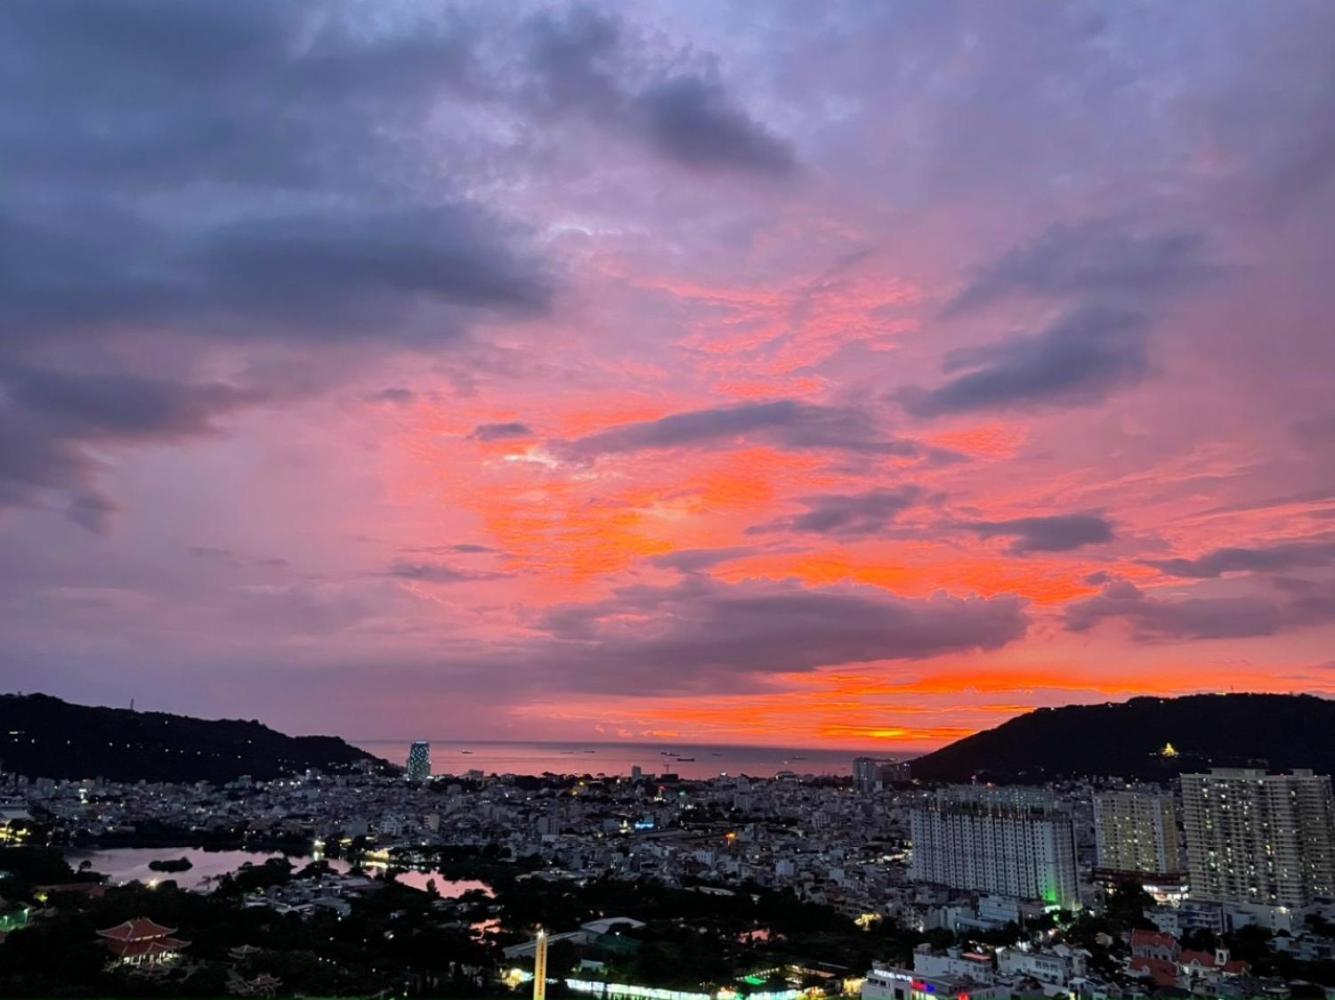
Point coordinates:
pixel 667 499
pixel 376 878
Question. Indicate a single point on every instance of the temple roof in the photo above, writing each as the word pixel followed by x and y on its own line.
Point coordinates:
pixel 155 946
pixel 138 929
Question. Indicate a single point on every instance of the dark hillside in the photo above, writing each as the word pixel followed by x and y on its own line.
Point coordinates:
pixel 44 737
pixel 1126 739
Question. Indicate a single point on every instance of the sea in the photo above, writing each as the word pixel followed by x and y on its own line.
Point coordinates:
pixel 686 760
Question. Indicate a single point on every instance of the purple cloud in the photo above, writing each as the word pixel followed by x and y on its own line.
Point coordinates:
pixel 439 572
pixel 846 515
pixel 700 632
pixel 500 432
pixel 1161 619
pixel 787 423
pixel 1077 361
pixel 1093 260
pixel 1282 556
pixel 1056 533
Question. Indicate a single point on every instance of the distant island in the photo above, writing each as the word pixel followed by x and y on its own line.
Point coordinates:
pixel 170 865
pixel 1145 738
pixel 45 737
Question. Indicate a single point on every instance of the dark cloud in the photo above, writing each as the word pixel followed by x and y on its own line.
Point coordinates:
pixel 500 432
pixel 584 62
pixel 1298 604
pixel 696 560
pixel 275 117
pixel 313 274
pixel 1109 274
pixel 438 572
pixel 701 634
pixel 1258 559
pixel 692 121
pixel 846 515
pixel 120 406
pixel 1092 260
pixel 576 58
pixel 219 173
pixel 1078 360
pixel 1057 533
pixel 49 422
pixel 91 511
pixel 1154 618
pixel 787 423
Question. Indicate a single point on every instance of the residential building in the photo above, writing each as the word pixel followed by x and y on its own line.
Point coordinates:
pixel 1136 832
pixel 1259 838
pixel 996 843
pixel 872 773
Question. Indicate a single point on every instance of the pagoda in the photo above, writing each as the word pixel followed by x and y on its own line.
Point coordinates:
pixel 142 942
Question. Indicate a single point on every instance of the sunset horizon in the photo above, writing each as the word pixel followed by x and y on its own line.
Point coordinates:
pixel 667 499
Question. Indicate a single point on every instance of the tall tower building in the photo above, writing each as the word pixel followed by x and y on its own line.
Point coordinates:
pixel 1254 837
pixel 1136 832
pixel 1012 842
pixel 419 761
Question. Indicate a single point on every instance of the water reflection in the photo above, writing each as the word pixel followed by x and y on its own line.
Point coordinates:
pixel 131 864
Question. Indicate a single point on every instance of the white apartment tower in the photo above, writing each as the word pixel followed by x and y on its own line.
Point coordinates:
pixel 1260 838
pixel 1003 841
pixel 1136 831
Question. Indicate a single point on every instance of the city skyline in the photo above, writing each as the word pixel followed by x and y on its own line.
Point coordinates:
pixel 689 373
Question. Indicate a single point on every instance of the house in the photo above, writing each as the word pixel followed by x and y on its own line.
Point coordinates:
pixel 1153 944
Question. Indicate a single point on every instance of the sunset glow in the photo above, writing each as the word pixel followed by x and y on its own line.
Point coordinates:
pixel 777 374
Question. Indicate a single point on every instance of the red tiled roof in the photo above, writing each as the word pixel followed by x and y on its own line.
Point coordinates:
pixel 1207 960
pixel 1152 939
pixel 1163 972
pixel 138 929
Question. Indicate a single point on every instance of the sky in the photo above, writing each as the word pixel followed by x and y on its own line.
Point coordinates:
pixel 836 374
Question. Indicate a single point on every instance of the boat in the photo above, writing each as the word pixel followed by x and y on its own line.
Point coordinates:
pixel 685 760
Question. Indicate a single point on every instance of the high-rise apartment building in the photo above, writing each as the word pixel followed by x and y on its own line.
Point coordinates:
pixel 1255 837
pixel 419 761
pixel 1136 832
pixel 1003 841
pixel 870 773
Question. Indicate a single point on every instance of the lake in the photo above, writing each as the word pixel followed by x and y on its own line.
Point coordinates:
pixel 130 864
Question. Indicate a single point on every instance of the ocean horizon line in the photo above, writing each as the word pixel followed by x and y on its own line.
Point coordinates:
pixel 455 741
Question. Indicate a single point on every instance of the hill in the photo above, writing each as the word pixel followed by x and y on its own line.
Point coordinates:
pixel 44 737
pixel 1126 739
